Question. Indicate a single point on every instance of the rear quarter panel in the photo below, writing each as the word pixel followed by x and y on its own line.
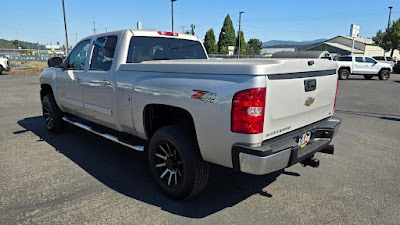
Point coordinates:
pixel 212 120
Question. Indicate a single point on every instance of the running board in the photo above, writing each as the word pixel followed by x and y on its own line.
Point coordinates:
pixel 108 136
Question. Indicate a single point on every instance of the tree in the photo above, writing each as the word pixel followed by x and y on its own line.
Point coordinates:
pixel 227 35
pixel 381 40
pixel 209 42
pixel 243 46
pixel 254 46
pixel 390 39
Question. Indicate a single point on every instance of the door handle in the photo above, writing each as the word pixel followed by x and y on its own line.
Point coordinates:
pixel 106 83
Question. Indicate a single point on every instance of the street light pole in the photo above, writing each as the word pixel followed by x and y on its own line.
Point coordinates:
pixel 240 21
pixel 65 27
pixel 387 29
pixel 390 13
pixel 172 13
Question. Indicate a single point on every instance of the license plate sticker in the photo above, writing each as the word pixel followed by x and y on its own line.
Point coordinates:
pixel 304 139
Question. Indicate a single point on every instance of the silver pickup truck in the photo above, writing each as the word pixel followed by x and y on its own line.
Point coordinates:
pixel 253 115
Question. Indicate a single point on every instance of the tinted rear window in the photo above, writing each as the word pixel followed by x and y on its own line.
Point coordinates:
pixel 345 58
pixel 378 58
pixel 161 48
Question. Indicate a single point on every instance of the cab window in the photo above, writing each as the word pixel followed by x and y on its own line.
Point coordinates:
pixel 103 53
pixel 77 58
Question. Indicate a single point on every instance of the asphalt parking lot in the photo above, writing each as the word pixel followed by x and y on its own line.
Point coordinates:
pixel 77 177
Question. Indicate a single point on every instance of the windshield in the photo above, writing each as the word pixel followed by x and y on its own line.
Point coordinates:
pixel 161 48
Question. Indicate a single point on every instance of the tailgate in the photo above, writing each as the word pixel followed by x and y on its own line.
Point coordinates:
pixel 292 102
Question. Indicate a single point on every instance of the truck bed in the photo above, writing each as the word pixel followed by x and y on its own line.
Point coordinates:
pixel 231 66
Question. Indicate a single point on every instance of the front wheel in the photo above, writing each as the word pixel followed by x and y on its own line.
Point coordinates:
pixel 344 74
pixel 368 77
pixel 52 115
pixel 175 162
pixel 384 75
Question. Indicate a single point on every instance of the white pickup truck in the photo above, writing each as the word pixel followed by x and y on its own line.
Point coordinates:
pixel 4 65
pixel 256 116
pixel 359 65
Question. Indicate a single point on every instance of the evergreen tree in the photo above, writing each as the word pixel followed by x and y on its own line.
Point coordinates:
pixel 209 42
pixel 254 46
pixel 390 39
pixel 226 36
pixel 243 45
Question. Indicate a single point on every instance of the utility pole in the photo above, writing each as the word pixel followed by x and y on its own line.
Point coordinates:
pixel 183 29
pixel 240 21
pixel 106 29
pixel 65 27
pixel 94 27
pixel 172 13
pixel 192 26
pixel 76 38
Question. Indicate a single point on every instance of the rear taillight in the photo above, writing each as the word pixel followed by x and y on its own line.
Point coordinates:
pixel 167 33
pixel 248 107
pixel 337 88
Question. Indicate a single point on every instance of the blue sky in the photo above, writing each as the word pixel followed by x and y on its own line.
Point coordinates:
pixel 41 20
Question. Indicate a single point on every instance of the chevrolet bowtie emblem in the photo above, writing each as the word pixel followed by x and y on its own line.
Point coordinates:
pixel 309 101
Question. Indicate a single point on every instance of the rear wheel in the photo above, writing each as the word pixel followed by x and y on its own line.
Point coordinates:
pixel 176 163
pixel 384 75
pixel 368 77
pixel 344 74
pixel 52 115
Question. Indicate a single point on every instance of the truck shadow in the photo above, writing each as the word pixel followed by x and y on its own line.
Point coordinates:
pixel 391 117
pixel 126 172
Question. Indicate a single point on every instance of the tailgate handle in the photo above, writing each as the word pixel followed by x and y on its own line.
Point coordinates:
pixel 310 85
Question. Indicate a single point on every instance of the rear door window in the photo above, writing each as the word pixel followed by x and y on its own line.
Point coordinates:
pixel 103 53
pixel 161 48
pixel 359 59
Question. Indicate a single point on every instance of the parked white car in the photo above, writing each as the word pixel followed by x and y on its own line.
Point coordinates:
pixel 385 59
pixel 366 66
pixel 4 65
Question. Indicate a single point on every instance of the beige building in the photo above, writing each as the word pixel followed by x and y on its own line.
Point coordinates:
pixel 342 45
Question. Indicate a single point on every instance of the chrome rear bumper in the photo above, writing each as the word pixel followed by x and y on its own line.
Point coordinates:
pixel 283 151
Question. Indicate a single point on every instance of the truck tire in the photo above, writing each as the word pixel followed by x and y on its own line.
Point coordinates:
pixel 52 115
pixel 368 77
pixel 175 162
pixel 384 75
pixel 344 74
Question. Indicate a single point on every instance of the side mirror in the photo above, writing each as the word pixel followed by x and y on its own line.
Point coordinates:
pixel 55 62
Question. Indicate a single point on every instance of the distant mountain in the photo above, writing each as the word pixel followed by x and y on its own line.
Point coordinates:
pixel 291 44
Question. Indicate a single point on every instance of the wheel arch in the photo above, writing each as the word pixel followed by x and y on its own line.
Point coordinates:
pixel 385 68
pixel 44 90
pixel 345 67
pixel 156 116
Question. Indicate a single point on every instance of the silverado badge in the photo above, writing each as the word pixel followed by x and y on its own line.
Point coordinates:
pixel 309 101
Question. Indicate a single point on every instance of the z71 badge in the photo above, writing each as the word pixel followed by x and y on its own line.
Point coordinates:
pixel 205 96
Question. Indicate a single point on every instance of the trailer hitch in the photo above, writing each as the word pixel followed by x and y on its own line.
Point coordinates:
pixel 328 150
pixel 313 162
